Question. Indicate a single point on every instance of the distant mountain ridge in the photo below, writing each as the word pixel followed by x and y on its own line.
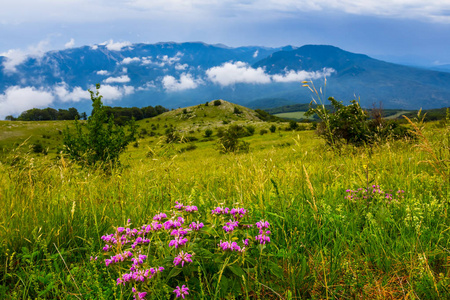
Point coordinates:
pixel 182 74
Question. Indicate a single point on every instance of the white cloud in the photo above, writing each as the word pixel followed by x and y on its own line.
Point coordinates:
pixel 147 86
pixel 185 82
pixel 165 59
pixel 77 94
pixel 129 60
pixel 231 73
pixel 120 79
pixel 95 47
pixel 69 44
pixel 255 55
pixel 181 67
pixel 297 76
pixel 236 72
pixel 17 99
pixel 15 57
pixel 118 46
pixel 102 72
pixel 111 93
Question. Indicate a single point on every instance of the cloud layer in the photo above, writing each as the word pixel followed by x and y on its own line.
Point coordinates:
pixel 231 73
pixel 16 99
pixel 13 12
pixel 186 82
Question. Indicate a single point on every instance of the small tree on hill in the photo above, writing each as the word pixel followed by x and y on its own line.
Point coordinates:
pixel 102 141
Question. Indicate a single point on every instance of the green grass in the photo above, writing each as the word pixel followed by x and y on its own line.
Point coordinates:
pixel 297 115
pixel 327 247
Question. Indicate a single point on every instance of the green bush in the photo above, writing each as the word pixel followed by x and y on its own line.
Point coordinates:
pixel 229 140
pixel 350 124
pixel 217 102
pixel 208 133
pixel 272 128
pixel 171 135
pixel 102 141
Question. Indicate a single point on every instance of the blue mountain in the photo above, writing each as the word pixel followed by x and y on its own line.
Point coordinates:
pixel 181 74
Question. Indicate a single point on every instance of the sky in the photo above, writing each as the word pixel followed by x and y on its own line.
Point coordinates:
pixel 413 32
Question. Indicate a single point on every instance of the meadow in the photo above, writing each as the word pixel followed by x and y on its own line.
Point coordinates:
pixel 361 223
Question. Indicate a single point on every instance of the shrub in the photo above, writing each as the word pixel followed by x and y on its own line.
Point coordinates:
pixel 208 133
pixel 237 111
pixel 263 131
pixel 350 124
pixel 189 147
pixel 171 135
pixel 102 141
pixel 250 130
pixel 293 125
pixel 272 128
pixel 217 102
pixel 38 148
pixel 229 141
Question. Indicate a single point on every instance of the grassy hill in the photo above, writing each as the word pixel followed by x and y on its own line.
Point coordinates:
pixel 362 223
pixel 190 121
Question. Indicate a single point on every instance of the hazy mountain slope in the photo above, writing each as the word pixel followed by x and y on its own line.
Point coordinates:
pixel 183 74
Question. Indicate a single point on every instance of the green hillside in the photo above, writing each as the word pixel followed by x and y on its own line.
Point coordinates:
pixel 307 223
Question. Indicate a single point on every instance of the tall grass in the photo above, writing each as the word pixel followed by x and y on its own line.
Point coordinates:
pixel 54 213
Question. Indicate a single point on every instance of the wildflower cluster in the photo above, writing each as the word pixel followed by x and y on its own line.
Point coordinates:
pixel 173 232
pixel 374 193
pixel 263 236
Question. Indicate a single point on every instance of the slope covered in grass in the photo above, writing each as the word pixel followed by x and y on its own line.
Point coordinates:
pixel 323 243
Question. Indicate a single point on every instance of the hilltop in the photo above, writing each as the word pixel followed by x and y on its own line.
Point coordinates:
pixel 191 120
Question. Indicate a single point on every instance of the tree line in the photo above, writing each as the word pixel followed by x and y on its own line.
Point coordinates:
pixel 120 115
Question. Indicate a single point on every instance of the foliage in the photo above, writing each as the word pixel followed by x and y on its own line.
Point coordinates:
pixel 49 114
pixel 102 141
pixel 350 124
pixel 172 135
pixel 327 240
pixel 293 125
pixel 208 132
pixel 229 140
pixel 217 102
pixel 182 248
pixel 272 128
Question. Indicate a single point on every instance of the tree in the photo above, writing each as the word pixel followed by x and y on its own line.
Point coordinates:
pixel 102 141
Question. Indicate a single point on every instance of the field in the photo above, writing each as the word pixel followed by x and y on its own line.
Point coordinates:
pixel 326 242
pixel 297 115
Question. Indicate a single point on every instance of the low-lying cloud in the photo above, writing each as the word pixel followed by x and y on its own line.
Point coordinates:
pixel 69 44
pixel 297 76
pixel 186 82
pixel 17 99
pixel 15 57
pixel 231 73
pixel 63 93
pixel 117 46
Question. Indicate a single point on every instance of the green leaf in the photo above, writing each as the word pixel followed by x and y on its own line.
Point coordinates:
pixel 275 269
pixel 237 271
pixel 174 272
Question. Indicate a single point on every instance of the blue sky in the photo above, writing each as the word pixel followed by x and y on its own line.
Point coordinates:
pixel 405 31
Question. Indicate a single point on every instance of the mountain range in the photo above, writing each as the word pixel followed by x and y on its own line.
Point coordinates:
pixel 182 74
